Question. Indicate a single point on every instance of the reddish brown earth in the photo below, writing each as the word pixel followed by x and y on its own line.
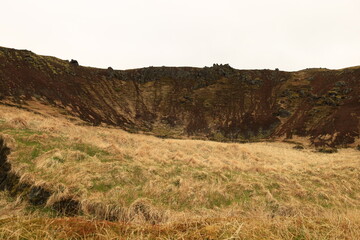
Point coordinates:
pixel 218 103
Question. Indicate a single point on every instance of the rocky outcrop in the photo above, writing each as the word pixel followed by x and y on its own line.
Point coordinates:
pixel 218 102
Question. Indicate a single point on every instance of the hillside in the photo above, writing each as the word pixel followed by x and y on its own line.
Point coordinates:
pixel 212 103
pixel 64 179
pixel 177 152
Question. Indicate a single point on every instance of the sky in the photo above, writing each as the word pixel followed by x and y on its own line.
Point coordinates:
pixel 247 34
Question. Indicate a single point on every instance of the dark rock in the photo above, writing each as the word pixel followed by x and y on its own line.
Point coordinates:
pixel 257 82
pixel 332 93
pixel 38 196
pixel 74 62
pixel 283 113
pixel 110 73
pixel 329 102
pixel 285 93
pixel 340 84
pixel 298 147
pixel 303 93
pixel 327 150
pixel 347 90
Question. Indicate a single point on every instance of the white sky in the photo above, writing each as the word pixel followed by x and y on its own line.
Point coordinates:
pixel 247 34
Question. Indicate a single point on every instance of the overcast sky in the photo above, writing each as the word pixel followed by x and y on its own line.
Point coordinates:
pixel 247 34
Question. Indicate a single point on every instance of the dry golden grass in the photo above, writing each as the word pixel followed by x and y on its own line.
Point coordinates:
pixel 189 189
pixel 340 226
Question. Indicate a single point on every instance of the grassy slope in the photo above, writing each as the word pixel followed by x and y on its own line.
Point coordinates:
pixel 187 188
